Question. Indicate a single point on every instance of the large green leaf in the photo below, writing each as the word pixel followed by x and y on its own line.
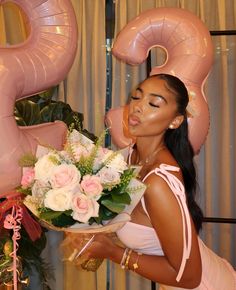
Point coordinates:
pixel 49 215
pixel 121 198
pixel 27 113
pixel 113 206
pixel 63 220
pixel 105 213
pixel 42 108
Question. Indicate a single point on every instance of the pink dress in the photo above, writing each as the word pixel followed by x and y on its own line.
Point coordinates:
pixel 217 273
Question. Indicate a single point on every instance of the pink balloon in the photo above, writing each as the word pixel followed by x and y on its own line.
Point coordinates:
pixel 39 63
pixel 189 50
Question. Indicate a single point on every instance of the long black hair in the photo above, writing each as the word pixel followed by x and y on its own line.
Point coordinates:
pixel 178 143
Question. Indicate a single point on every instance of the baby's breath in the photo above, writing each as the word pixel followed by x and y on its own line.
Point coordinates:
pixel 126 177
pixel 28 160
pixel 85 164
pixel 109 186
pixel 110 158
pixel 69 149
pixel 54 159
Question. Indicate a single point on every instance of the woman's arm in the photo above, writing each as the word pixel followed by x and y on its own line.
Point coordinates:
pixel 166 218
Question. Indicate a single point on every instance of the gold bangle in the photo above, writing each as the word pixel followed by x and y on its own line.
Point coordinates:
pixel 122 263
pixel 135 265
pixel 127 259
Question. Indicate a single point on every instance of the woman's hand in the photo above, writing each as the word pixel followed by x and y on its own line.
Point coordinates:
pixel 102 247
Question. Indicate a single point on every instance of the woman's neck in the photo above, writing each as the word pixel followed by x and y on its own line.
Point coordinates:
pixel 147 148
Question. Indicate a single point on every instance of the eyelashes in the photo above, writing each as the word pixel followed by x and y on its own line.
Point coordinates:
pixel 135 98
pixel 154 105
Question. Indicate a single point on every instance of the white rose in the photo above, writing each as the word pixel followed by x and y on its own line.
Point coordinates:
pixel 109 176
pixel 44 166
pixel 58 199
pixel 84 208
pixel 64 175
pixel 117 163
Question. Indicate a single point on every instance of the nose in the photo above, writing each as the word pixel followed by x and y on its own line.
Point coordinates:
pixel 137 106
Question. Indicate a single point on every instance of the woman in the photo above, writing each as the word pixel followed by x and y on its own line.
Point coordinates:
pixel 162 238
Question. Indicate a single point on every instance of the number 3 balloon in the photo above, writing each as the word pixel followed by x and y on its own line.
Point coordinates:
pixel 42 61
pixel 189 51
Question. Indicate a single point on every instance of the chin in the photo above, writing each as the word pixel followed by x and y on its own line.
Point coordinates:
pixel 134 132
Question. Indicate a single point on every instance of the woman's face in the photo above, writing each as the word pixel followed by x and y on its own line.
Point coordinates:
pixel 152 108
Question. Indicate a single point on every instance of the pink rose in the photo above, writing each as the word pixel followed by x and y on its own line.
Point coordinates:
pixel 92 187
pixel 109 176
pixel 28 177
pixel 84 208
pixel 65 175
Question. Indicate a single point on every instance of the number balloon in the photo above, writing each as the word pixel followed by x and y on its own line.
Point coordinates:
pixel 40 62
pixel 189 51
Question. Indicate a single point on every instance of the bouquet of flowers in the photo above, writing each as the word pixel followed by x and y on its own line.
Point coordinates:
pixel 84 188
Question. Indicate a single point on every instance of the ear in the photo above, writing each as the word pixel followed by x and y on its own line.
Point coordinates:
pixel 176 122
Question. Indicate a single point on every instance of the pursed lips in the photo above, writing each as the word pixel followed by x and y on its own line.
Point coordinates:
pixel 134 120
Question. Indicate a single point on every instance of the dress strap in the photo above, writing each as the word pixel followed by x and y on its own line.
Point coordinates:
pixel 131 149
pixel 179 192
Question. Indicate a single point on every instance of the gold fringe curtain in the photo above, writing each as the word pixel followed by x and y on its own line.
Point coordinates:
pixel 13 24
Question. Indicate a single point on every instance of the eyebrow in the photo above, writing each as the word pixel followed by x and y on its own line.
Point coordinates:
pixel 152 94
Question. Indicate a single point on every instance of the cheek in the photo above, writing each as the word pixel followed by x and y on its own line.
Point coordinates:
pixel 156 118
pixel 153 123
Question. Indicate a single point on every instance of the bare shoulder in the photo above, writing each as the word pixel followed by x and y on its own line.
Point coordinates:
pixel 158 193
pixel 158 189
pixel 163 206
pixel 165 160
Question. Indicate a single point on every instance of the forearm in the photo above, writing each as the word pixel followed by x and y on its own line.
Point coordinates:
pixel 155 268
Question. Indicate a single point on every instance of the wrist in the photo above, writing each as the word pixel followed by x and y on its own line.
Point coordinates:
pixel 116 254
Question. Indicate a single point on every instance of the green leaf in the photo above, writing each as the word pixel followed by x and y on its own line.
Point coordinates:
pixel 54 111
pixel 121 198
pixel 63 220
pixel 28 111
pixel 41 108
pixel 49 215
pixel 113 206
pixel 58 218
pixel 48 94
pixel 105 213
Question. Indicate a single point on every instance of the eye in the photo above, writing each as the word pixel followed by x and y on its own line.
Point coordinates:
pixel 154 105
pixel 135 98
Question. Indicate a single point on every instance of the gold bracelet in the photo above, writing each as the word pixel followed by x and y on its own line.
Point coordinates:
pixel 135 265
pixel 122 263
pixel 127 259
